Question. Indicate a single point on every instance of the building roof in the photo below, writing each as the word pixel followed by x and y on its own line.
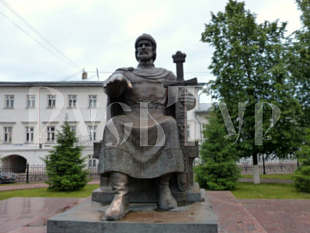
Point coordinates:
pixel 53 84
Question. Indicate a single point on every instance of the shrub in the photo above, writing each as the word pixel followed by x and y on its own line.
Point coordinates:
pixel 218 170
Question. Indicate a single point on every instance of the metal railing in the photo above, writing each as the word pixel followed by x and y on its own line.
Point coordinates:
pixel 36 173
pixel 270 167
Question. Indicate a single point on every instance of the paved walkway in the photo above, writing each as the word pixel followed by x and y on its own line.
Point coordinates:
pixel 268 181
pixel 32 186
pixel 259 216
pixel 23 215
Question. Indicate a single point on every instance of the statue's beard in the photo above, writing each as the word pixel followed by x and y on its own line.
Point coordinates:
pixel 145 57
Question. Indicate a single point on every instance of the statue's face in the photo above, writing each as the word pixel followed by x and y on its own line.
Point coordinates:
pixel 144 50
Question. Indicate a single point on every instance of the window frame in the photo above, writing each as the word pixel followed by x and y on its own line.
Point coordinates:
pixel 72 101
pixel 92 101
pixel 50 134
pixel 9 101
pixel 29 134
pixel 92 133
pixel 51 101
pixel 8 134
pixel 92 162
pixel 31 101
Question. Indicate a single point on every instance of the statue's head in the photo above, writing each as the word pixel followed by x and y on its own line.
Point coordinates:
pixel 145 38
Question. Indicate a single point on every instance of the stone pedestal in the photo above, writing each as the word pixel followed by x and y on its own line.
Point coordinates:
pixel 143 217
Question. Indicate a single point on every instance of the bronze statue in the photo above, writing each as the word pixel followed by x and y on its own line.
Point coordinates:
pixel 141 138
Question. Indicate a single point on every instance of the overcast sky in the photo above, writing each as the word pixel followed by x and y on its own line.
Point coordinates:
pixel 101 34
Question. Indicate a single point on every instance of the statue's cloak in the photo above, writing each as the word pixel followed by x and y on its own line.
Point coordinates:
pixel 139 146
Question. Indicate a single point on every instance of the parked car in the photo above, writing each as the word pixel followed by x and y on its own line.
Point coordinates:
pixel 7 177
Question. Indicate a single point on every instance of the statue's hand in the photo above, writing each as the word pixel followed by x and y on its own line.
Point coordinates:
pixel 116 85
pixel 188 100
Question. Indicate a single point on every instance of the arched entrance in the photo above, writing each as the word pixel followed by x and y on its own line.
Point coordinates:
pixel 14 163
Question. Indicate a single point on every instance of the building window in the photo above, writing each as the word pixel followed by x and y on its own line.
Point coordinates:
pixel 92 133
pixel 7 134
pixel 73 128
pixel 29 134
pixel 31 101
pixel 91 161
pixel 92 101
pixel 9 101
pixel 72 101
pixel 51 101
pixel 51 133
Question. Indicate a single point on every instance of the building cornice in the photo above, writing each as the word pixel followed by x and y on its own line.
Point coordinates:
pixel 7 122
pixel 52 84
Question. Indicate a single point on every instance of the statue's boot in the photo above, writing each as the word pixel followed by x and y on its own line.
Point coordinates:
pixel 120 204
pixel 166 200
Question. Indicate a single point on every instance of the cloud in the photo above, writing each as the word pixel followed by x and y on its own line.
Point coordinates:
pixel 101 34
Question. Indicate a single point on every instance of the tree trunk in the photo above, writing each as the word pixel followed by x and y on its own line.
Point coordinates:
pixel 264 169
pixel 256 179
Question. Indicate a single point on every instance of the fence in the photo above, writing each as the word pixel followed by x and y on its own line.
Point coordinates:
pixel 36 173
pixel 270 167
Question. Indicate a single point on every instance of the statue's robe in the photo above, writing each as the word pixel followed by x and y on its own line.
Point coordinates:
pixel 121 149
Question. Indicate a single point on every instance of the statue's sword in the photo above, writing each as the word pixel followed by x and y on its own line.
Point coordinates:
pixel 184 179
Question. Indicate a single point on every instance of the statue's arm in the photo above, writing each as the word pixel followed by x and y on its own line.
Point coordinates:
pixel 188 100
pixel 116 85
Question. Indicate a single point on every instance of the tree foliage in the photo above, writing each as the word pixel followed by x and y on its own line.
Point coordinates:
pixel 298 60
pixel 249 63
pixel 64 165
pixel 218 169
pixel 302 174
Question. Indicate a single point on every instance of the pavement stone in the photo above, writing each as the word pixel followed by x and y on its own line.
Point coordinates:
pixel 19 213
pixel 233 215
pixel 286 216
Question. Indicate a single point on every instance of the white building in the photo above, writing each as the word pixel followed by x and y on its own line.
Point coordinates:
pixel 32 112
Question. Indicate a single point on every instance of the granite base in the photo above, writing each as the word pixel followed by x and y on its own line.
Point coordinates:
pixel 143 217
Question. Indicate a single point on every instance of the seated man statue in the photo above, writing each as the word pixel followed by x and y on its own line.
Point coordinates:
pixel 141 138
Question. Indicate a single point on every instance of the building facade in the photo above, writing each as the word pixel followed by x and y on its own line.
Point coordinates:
pixel 33 112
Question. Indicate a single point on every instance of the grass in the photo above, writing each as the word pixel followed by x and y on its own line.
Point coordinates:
pixel 42 192
pixel 268 191
pixel 288 176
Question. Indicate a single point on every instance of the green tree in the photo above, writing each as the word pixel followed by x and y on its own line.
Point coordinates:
pixel 218 169
pixel 302 174
pixel 299 60
pixel 64 165
pixel 249 62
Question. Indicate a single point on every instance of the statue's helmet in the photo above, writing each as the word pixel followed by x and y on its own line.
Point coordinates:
pixel 149 38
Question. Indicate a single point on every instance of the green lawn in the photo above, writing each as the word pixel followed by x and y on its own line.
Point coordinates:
pixel 268 191
pixel 243 191
pixel 288 176
pixel 42 192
